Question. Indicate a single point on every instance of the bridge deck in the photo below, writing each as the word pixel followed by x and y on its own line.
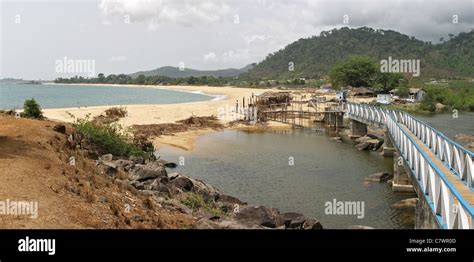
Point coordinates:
pixel 463 190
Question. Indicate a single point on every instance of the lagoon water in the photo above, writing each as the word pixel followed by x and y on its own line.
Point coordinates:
pixel 256 167
pixel 59 96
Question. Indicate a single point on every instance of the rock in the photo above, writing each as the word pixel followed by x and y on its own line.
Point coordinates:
pixel 138 185
pixel 440 107
pixel 360 227
pixel 206 224
pixel 60 128
pixel 293 220
pixel 125 165
pixel 363 139
pixel 171 165
pixel 108 168
pixel 406 203
pixel 146 172
pixel 379 177
pixel 137 159
pixel 312 224
pixel 362 146
pixel 228 199
pixel 374 144
pixel 166 163
pixel 470 146
pixel 183 183
pixel 336 139
pixel 259 215
pixel 107 158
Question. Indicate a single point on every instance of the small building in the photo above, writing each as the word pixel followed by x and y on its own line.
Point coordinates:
pixel 384 99
pixel 341 95
pixel 416 94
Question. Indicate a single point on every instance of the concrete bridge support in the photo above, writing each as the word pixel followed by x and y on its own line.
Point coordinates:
pixel 358 129
pixel 388 149
pixel 401 178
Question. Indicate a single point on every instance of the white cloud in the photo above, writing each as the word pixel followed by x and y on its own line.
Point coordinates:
pixel 158 12
pixel 210 57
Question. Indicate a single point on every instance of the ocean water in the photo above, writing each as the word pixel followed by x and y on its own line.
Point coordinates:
pixel 59 96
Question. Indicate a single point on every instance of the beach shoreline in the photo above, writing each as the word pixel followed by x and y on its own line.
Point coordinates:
pixel 224 101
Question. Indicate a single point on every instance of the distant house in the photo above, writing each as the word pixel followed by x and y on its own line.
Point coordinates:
pixel 384 99
pixel 416 94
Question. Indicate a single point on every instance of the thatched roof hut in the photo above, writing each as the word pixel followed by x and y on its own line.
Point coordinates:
pixel 361 91
pixel 269 98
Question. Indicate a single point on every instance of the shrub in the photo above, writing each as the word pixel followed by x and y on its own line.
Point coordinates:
pixel 196 202
pixel 32 109
pixel 108 139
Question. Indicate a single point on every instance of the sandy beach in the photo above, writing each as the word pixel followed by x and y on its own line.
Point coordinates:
pixel 224 101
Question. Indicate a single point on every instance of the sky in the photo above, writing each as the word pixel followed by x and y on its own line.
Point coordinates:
pixel 126 36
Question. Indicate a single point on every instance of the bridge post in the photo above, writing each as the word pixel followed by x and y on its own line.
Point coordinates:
pixel 358 129
pixel 388 148
pixel 401 179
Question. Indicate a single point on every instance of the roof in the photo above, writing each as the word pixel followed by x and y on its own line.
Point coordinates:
pixel 361 91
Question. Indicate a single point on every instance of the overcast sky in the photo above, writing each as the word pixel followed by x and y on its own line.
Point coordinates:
pixel 126 36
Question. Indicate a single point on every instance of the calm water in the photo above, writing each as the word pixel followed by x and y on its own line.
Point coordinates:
pixel 58 96
pixel 255 168
pixel 450 126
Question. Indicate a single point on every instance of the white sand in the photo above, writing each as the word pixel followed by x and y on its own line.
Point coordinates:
pixel 169 113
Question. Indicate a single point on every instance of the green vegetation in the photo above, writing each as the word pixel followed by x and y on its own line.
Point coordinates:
pixel 196 202
pixel 31 109
pixel 108 139
pixel 459 98
pixel 147 80
pixel 314 57
pixel 360 71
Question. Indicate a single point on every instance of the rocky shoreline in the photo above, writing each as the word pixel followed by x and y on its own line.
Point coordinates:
pixel 206 205
pixel 211 208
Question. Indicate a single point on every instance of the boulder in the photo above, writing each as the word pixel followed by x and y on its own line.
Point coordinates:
pixel 259 215
pixel 146 172
pixel 184 183
pixel 137 159
pixel 108 168
pixel 362 146
pixel 406 203
pixel 107 158
pixel 379 177
pixel 293 220
pixel 440 107
pixel 125 165
pixel 313 224
pixel 60 128
pixel 374 144
pixel 228 199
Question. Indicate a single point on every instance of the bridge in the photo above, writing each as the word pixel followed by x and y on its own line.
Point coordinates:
pixel 440 170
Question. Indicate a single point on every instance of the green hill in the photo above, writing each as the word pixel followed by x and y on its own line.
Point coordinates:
pixel 174 72
pixel 313 57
